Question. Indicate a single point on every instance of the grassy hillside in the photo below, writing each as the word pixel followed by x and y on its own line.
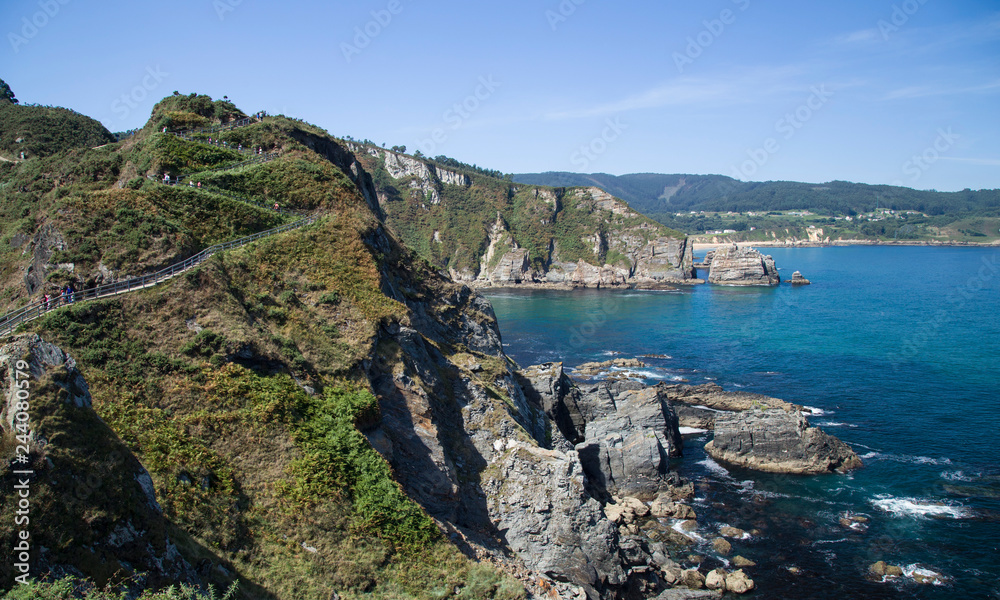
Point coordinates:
pixel 238 385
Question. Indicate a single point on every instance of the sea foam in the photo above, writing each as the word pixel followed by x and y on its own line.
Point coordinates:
pixel 916 507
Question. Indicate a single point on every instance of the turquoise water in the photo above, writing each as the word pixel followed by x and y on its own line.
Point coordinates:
pixel 900 349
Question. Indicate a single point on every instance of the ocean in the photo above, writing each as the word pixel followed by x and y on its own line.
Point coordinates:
pixel 898 349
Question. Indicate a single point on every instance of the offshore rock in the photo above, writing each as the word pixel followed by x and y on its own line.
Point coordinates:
pixel 778 441
pixel 733 265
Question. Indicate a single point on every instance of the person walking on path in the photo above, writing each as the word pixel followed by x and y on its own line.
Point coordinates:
pixel 45 301
pixel 70 293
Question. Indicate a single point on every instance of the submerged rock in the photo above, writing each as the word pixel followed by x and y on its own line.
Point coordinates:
pixel 778 441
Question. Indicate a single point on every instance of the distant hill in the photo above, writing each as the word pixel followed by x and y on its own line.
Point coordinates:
pixel 660 194
pixel 46 130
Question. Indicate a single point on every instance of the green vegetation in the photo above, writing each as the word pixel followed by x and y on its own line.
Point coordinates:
pixel 454 233
pixel 71 588
pixel 45 130
pixel 874 210
pixel 236 385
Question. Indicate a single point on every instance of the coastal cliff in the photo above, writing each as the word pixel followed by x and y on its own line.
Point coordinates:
pixel 487 231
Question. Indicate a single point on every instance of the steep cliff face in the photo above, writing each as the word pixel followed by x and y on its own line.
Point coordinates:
pixel 487 231
pixel 732 265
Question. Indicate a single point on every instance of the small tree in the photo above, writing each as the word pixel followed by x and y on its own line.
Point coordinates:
pixel 6 93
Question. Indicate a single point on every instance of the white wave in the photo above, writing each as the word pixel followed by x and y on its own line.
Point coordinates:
pixel 688 534
pixel 917 569
pixel 835 424
pixel 916 507
pixel 905 458
pixel 958 476
pixel 812 411
pixel 739 385
pixel 711 379
pixel 831 541
pixel 715 468
pixel 692 430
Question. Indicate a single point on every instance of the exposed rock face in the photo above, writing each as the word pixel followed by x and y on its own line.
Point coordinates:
pixel 698 405
pixel 96 500
pixel 631 434
pixel 778 441
pixel 43 245
pixel 452 178
pixel 548 518
pixel 732 265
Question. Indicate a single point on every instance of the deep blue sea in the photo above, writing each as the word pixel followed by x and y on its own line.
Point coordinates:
pixel 899 347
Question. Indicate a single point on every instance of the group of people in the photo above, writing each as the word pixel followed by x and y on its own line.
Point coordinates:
pixel 67 296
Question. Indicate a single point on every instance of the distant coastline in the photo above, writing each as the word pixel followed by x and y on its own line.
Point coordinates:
pixel 848 242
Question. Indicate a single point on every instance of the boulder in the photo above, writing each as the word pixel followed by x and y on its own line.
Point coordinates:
pixel 778 441
pixel 733 265
pixel 716 580
pixel 742 562
pixel 685 594
pixel 722 546
pixel 732 532
pixel 663 508
pixel 693 579
pixel 738 583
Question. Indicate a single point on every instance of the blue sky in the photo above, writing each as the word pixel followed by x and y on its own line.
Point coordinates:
pixel 874 91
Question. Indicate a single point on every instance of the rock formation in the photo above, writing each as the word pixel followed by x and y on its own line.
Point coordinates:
pixel 778 441
pixel 798 279
pixel 732 265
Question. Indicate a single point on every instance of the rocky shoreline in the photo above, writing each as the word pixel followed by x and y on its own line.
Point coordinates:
pixel 623 434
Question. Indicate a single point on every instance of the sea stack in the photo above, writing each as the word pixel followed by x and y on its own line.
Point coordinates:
pixel 798 279
pixel 732 265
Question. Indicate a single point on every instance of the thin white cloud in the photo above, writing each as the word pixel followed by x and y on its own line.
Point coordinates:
pixel 988 162
pixel 863 36
pixel 745 87
pixel 939 89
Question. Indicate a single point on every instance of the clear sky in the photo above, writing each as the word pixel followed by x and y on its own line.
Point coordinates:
pixel 874 91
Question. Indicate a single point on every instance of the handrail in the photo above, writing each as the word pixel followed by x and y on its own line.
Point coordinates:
pixel 12 320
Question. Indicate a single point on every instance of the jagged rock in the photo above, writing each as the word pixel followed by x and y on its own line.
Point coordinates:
pixel 538 500
pixel 716 579
pixel 732 265
pixel 548 386
pixel 631 432
pixel 778 442
pixel 738 582
pixel 452 178
pixel 698 405
pixel 592 369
